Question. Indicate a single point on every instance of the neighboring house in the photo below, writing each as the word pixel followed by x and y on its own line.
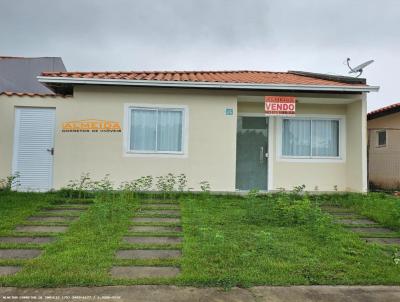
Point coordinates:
pixel 209 125
pixel 384 147
pixel 18 74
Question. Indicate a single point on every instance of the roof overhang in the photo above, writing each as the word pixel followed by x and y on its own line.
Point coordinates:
pixel 210 85
pixel 381 113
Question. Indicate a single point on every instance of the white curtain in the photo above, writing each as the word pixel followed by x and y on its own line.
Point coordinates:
pixel 169 132
pixel 325 135
pixel 296 140
pixel 143 130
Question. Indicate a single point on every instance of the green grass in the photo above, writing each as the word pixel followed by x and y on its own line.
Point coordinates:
pixel 228 241
pixel 242 242
pixel 381 207
pixel 83 255
pixel 16 207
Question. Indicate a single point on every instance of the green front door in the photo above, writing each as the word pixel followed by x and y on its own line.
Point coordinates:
pixel 251 153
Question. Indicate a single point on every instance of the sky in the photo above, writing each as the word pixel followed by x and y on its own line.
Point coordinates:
pixel 272 35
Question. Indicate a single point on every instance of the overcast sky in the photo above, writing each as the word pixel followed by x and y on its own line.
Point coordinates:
pixel 275 35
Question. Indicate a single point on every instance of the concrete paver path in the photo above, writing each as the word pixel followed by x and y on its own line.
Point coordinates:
pixel 19 253
pixel 368 230
pixel 6 270
pixel 148 254
pixel 153 234
pixel 151 228
pixel 41 228
pixel 27 239
pixel 154 293
pixel 51 224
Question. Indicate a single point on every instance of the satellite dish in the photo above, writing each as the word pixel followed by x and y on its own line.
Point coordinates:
pixel 359 68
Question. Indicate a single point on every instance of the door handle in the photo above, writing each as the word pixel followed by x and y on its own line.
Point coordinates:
pixel 51 151
pixel 261 154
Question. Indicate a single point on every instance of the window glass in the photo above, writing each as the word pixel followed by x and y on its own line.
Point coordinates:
pixel 310 138
pixel 156 130
pixel 382 138
pixel 169 131
pixel 296 137
pixel 143 130
pixel 325 138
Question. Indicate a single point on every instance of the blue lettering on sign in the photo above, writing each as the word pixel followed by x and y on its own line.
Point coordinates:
pixel 228 111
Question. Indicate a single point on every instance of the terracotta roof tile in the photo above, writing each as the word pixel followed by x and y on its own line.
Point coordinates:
pixel 30 94
pixel 243 76
pixel 384 111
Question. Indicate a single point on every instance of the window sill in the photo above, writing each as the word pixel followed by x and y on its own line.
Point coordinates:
pixel 156 154
pixel 312 159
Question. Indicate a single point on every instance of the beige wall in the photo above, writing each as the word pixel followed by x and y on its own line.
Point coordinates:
pixel 384 162
pixel 345 175
pixel 211 145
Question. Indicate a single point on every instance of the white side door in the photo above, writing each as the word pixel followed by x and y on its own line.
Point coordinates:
pixel 34 148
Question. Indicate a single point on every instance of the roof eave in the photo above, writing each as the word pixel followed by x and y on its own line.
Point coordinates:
pixel 211 85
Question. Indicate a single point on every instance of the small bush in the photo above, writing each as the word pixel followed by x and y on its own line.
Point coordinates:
pixel 285 209
pixel 12 181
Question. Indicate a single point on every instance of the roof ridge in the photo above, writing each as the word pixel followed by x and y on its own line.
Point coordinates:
pixel 30 94
pixel 165 71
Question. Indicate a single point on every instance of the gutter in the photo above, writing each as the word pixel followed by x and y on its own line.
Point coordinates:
pixel 212 85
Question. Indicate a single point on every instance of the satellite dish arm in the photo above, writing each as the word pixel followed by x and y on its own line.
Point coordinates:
pixel 348 64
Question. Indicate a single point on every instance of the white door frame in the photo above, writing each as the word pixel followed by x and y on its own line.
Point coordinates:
pixel 271 125
pixel 15 139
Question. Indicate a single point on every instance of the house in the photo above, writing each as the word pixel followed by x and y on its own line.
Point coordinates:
pixel 18 74
pixel 237 130
pixel 384 147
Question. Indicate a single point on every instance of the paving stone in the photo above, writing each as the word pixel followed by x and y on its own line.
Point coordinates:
pixel 73 205
pixel 26 239
pixel 356 221
pixel 52 218
pixel 159 200
pixel 148 254
pixel 156 219
pixel 159 205
pixel 383 240
pixel 62 211
pixel 135 272
pixel 161 212
pixel 69 208
pixel 333 209
pixel 19 253
pixel 154 229
pixel 371 230
pixel 9 270
pixel 42 228
pixel 344 214
pixel 157 240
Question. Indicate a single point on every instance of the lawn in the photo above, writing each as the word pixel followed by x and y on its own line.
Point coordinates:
pixel 276 239
pixel 381 207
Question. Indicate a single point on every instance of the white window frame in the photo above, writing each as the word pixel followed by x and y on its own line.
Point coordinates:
pixel 313 159
pixel 142 153
pixel 377 138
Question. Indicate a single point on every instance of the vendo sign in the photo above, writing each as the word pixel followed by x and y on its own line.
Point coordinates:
pixel 280 105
